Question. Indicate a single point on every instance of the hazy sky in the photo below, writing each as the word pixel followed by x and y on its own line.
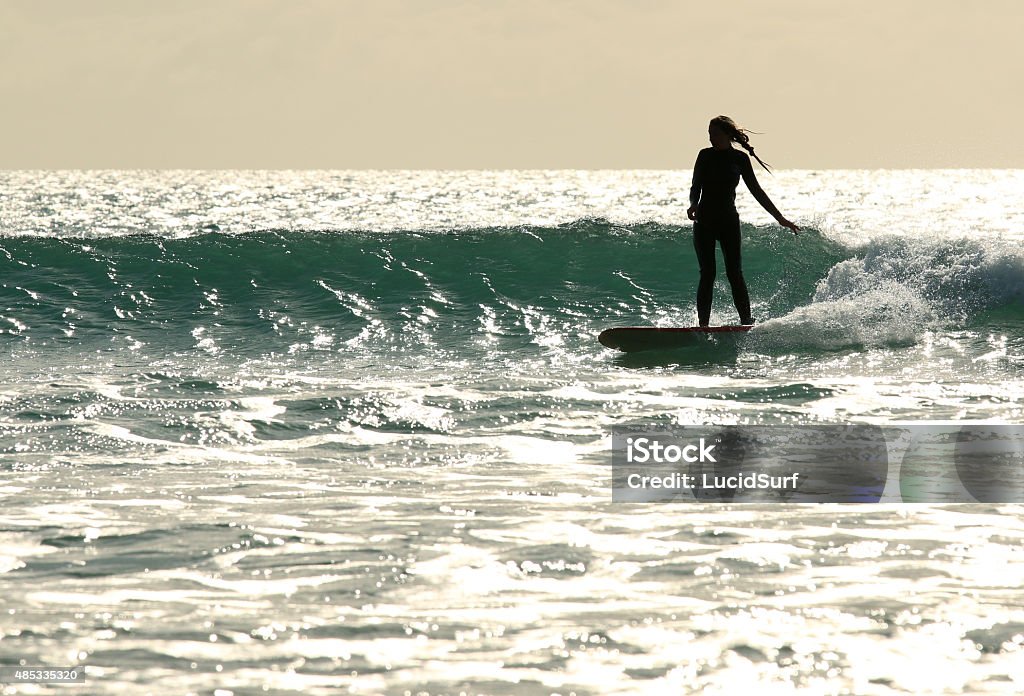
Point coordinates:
pixel 352 84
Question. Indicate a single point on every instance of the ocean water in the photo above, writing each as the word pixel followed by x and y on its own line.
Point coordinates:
pixel 322 432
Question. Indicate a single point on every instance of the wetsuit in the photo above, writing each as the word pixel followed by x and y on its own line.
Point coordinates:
pixel 715 177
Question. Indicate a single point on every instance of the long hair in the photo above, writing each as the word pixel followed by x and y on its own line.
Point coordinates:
pixel 738 135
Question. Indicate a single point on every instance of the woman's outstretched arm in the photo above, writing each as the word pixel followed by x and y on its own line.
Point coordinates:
pixel 761 197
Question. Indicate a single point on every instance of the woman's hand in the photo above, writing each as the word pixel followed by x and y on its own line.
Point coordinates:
pixel 691 212
pixel 789 225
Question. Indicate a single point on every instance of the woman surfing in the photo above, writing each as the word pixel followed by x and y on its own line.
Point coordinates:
pixel 716 174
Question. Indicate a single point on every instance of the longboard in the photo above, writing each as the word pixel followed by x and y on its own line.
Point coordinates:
pixel 634 338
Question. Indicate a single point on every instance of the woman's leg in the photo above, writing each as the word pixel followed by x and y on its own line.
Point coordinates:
pixel 729 236
pixel 704 245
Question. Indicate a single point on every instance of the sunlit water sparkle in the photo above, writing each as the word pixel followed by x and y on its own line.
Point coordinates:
pixel 328 431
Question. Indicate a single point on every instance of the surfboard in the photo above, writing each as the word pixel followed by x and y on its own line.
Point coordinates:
pixel 634 338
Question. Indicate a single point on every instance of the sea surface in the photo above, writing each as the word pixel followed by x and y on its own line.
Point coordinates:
pixel 349 432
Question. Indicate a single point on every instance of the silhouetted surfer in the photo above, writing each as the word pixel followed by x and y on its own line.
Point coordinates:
pixel 713 209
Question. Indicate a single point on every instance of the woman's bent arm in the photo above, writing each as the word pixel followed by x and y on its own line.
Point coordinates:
pixel 695 188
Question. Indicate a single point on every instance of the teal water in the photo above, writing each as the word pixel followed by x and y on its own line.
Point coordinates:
pixel 412 288
pixel 422 291
pixel 313 431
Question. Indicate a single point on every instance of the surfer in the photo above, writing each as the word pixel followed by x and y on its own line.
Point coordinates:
pixel 716 174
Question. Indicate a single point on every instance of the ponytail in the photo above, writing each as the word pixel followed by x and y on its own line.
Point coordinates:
pixel 739 135
pixel 749 148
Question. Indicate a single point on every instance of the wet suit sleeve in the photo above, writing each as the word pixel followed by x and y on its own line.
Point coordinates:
pixel 698 176
pixel 747 172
